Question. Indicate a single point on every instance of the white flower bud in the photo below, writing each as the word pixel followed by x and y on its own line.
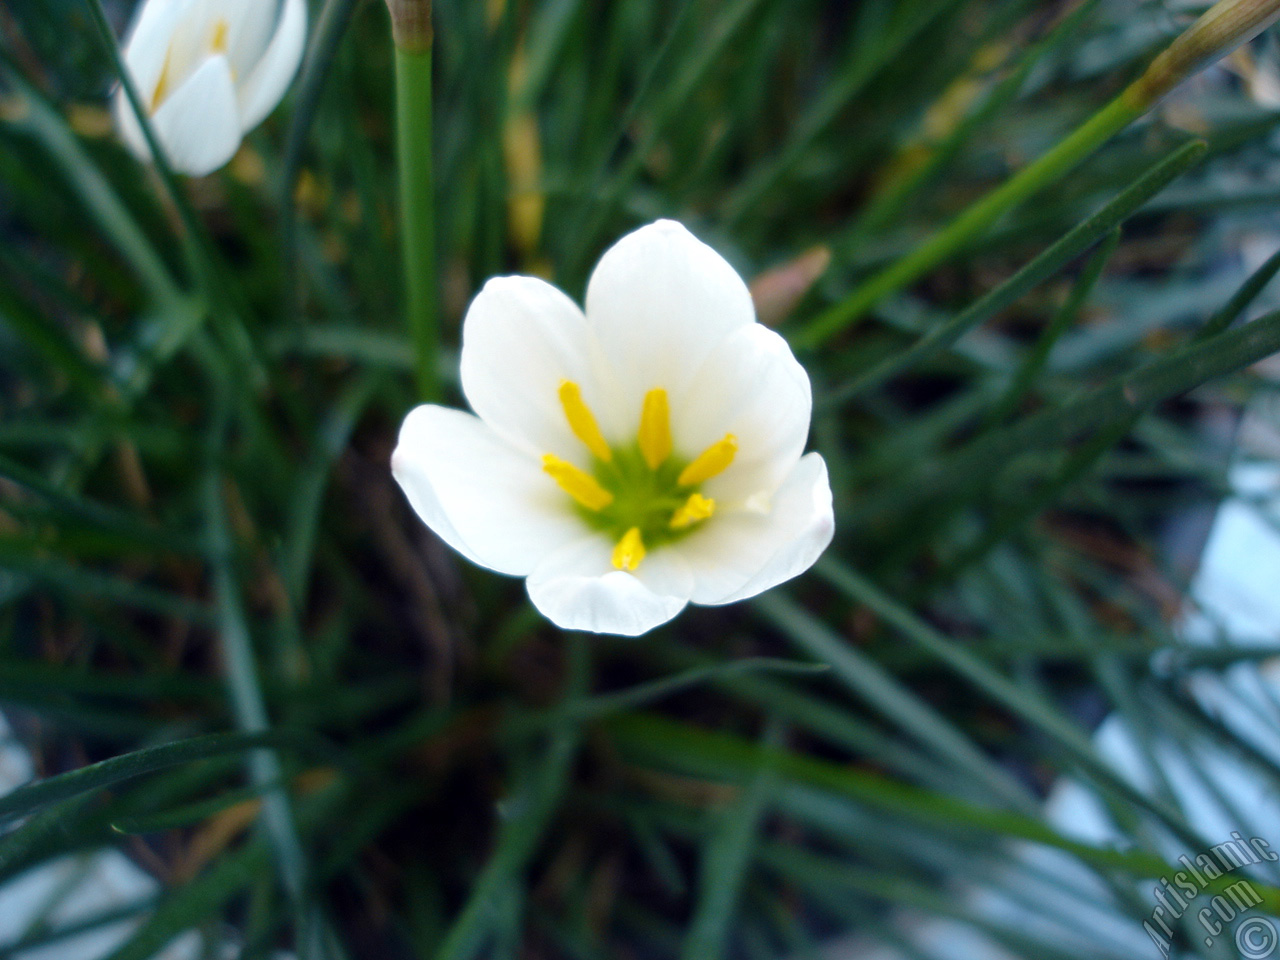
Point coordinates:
pixel 208 72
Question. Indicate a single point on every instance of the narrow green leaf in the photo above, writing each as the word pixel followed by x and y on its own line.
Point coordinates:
pixel 675 97
pixel 827 107
pixel 106 773
pixel 1034 362
pixel 884 207
pixel 188 814
pixel 1170 376
pixel 594 708
pixel 1247 293
pixel 725 858
pixel 248 705
pixel 1080 462
pixel 20 845
pixel 44 935
pixel 191 904
pixel 1033 709
pixel 871 682
pixel 48 340
pixel 331 26
pixel 529 816
pixel 706 753
pixel 23 559
pixel 311 480
pixel 1049 262
pixel 41 121
pixel 82 508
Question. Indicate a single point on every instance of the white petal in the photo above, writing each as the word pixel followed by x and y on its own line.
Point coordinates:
pixel 251 25
pixel 577 588
pixel 485 499
pixel 658 301
pixel 191 42
pixel 738 555
pixel 265 86
pixel 521 337
pixel 128 127
pixel 149 40
pixel 198 124
pixel 753 387
pixel 144 54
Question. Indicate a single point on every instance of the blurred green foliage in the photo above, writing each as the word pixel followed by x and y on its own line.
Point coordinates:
pixel 200 384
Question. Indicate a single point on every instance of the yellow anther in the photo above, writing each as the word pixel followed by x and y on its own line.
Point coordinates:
pixel 655 428
pixel 219 42
pixel 629 551
pixel 710 462
pixel 581 420
pixel 162 85
pixel 577 483
pixel 696 508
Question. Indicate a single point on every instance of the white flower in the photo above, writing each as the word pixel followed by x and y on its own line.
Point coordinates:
pixel 632 460
pixel 208 72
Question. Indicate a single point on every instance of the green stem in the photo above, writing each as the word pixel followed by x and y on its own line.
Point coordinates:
pixel 1048 169
pixel 1218 31
pixel 417 213
pixel 1045 265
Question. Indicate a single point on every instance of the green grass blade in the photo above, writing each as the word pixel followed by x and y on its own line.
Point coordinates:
pixel 1163 379
pixel 245 693
pixel 18 847
pixel 106 773
pixel 190 905
pixel 725 858
pixel 828 106
pixel 1247 293
pixel 41 121
pixel 883 208
pixel 1065 317
pixel 1049 262
pixel 520 835
pixel 871 682
pixel 1001 688
pixel 594 708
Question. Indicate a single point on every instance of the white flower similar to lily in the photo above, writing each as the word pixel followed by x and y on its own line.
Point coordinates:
pixel 631 460
pixel 208 72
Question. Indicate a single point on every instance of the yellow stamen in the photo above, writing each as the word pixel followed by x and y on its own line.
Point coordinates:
pixel 711 461
pixel 696 508
pixel 219 42
pixel 162 85
pixel 655 428
pixel 577 483
pixel 581 420
pixel 629 551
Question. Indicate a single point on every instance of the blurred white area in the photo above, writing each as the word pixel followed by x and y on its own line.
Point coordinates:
pixel 77 892
pixel 74 890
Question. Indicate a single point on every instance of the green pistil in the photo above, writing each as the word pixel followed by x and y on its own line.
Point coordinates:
pixel 642 498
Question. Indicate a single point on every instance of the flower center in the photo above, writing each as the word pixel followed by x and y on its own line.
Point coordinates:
pixel 642 495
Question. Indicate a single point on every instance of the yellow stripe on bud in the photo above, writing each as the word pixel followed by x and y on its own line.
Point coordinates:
pixel 219 42
pixel 655 428
pixel 577 483
pixel 629 551
pixel 162 84
pixel 696 508
pixel 710 462
pixel 582 421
